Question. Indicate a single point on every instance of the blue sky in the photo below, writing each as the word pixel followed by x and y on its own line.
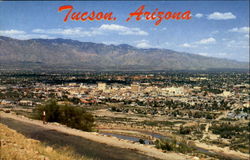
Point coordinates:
pixel 217 28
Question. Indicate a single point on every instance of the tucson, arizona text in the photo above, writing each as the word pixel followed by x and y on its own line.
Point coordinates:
pixel 139 14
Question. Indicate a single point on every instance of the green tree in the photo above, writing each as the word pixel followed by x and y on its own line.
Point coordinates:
pixel 72 116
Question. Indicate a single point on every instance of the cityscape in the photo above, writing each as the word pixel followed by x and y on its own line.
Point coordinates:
pixel 201 109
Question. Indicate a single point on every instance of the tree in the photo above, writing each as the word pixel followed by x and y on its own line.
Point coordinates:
pixel 72 116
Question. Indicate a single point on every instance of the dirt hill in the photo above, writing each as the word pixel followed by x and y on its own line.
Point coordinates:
pixel 15 146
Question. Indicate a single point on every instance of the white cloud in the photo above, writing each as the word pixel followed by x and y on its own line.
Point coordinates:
pixel 143 44
pixel 203 54
pixel 206 41
pixel 102 30
pixel 198 15
pixel 111 42
pixel 38 30
pixel 246 35
pixel 214 32
pixel 18 34
pixel 223 54
pixel 11 32
pixel 32 36
pixel 113 27
pixel 221 16
pixel 197 43
pixel 238 44
pixel 240 30
pixel 187 45
pixel 166 43
pixel 75 32
pixel 122 30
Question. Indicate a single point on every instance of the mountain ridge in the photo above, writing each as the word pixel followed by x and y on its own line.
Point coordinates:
pixel 73 54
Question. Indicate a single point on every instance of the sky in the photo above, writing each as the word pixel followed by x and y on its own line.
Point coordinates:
pixel 216 29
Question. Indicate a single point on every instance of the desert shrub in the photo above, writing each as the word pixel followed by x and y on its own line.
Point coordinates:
pixel 202 127
pixel 185 130
pixel 158 123
pixel 227 130
pixel 72 116
pixel 214 91
pixel 141 141
pixel 164 145
pixel 7 111
pixel 173 145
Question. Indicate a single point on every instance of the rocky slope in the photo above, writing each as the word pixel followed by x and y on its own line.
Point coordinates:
pixel 71 54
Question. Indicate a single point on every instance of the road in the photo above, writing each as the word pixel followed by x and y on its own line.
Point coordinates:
pixel 82 146
pixel 89 144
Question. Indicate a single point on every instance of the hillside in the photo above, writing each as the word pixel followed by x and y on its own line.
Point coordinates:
pixel 15 146
pixel 70 54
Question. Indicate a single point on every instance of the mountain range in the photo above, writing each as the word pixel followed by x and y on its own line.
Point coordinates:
pixel 70 54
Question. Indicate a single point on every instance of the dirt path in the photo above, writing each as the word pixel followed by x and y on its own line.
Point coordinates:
pixel 85 143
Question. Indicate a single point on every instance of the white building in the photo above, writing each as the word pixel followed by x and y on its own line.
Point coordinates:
pixel 102 86
pixel 175 91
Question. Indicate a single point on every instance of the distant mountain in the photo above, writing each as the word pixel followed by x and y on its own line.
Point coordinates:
pixel 70 54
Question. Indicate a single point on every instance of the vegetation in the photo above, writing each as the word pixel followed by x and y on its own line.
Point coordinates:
pixel 141 141
pixel 72 116
pixel 226 130
pixel 215 91
pixel 185 130
pixel 173 145
pixel 158 123
pixel 238 135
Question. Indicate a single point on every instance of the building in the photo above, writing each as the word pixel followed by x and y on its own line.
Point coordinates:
pixel 102 86
pixel 135 87
pixel 175 91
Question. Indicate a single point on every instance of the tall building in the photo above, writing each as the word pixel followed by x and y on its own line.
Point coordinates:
pixel 135 87
pixel 102 86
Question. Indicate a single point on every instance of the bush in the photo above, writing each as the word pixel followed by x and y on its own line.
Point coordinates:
pixel 72 116
pixel 185 130
pixel 7 111
pixel 141 141
pixel 164 145
pixel 227 130
pixel 173 145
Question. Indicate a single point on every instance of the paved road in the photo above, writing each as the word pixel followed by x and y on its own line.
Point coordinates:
pixel 82 146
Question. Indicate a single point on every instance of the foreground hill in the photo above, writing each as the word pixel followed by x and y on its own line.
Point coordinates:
pixel 15 146
pixel 71 54
pixel 86 144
